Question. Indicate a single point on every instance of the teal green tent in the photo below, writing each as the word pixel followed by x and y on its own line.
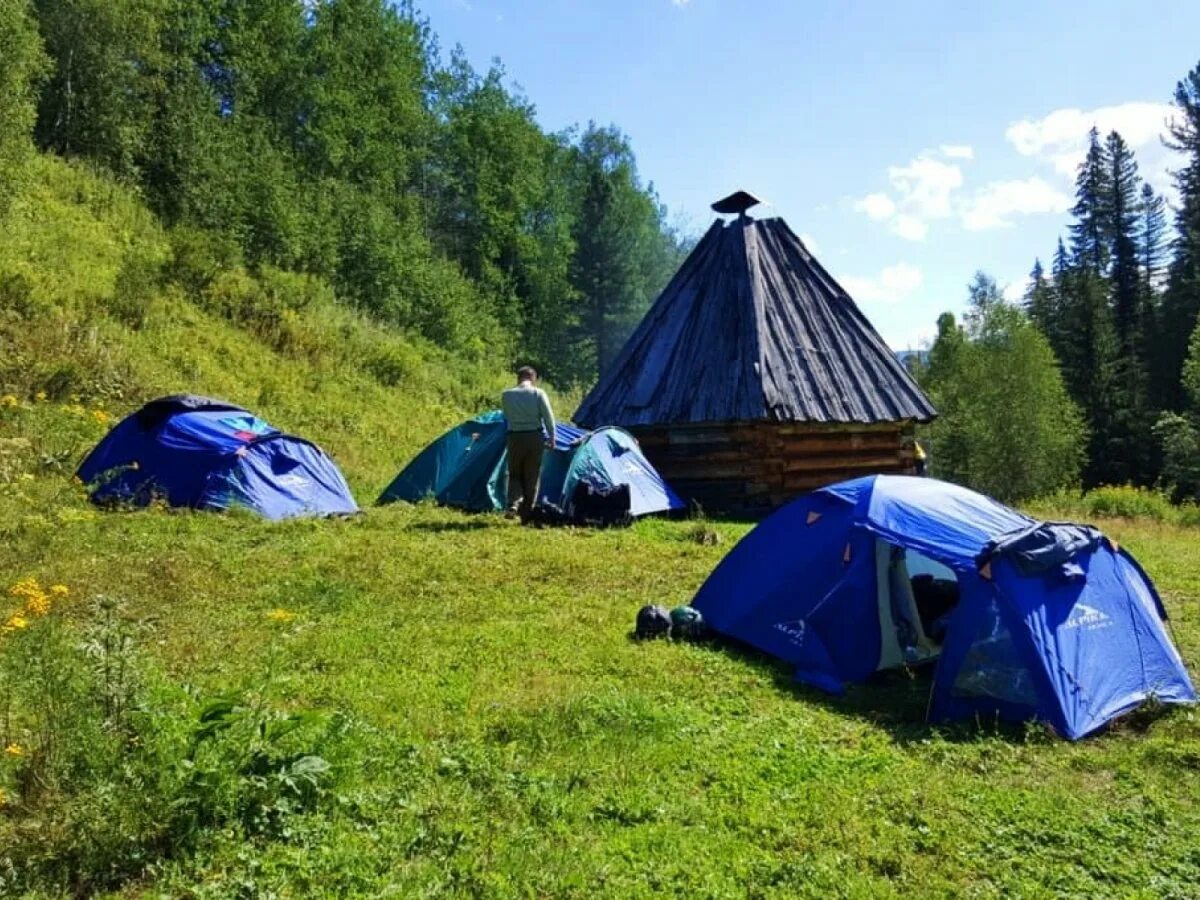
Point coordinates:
pixel 465 468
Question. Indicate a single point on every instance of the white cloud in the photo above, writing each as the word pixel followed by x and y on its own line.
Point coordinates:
pixel 1060 137
pixel 957 151
pixel 925 186
pixel 891 285
pixel 909 227
pixel 680 2
pixel 807 240
pixel 878 207
pixel 995 203
pixel 921 191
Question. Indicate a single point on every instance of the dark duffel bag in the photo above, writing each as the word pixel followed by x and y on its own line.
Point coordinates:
pixel 601 507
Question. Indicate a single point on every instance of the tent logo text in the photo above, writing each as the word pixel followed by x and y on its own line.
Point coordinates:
pixel 794 630
pixel 1088 618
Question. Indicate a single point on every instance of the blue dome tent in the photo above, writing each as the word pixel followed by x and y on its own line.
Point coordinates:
pixel 465 468
pixel 208 454
pixel 1036 620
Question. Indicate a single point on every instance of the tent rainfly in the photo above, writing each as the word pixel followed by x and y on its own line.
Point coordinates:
pixel 210 454
pixel 467 468
pixel 1025 619
pixel 754 377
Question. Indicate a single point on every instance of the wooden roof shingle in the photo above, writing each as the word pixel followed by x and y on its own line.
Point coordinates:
pixel 752 328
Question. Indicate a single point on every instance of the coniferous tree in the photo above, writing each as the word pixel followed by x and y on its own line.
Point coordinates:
pixel 1089 231
pixel 1090 364
pixel 1181 300
pixel 1061 263
pixel 1151 236
pixel 1151 240
pixel 1133 456
pixel 625 253
pixel 1121 211
pixel 1041 303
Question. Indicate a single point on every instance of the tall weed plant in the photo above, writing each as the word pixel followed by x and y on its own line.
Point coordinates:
pixel 108 768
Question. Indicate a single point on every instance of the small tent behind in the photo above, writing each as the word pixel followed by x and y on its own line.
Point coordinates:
pixel 209 454
pixel 465 468
pixel 1027 619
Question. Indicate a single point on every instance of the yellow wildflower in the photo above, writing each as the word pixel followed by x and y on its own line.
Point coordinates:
pixel 8 401
pixel 38 606
pixel 59 590
pixel 26 587
pixel 101 416
pixel 40 396
pixel 281 615
pixel 16 623
pixel 3 799
pixel 14 750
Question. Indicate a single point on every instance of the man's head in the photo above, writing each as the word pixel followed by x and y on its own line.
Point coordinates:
pixel 527 373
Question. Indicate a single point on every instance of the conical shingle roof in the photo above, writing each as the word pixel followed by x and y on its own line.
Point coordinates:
pixel 752 328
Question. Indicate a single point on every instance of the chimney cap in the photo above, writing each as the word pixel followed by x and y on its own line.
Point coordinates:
pixel 737 202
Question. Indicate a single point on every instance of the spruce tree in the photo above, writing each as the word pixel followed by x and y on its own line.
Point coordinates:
pixel 1090 365
pixel 1121 210
pixel 1062 261
pixel 1089 232
pixel 1134 458
pixel 1041 305
pixel 1181 301
pixel 1151 237
pixel 1151 241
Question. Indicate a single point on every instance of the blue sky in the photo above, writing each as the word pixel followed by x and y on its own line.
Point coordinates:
pixel 910 144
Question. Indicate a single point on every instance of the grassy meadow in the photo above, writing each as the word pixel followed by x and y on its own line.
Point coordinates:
pixel 417 702
pixel 502 735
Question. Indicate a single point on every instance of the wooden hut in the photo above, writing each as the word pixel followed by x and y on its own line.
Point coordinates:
pixel 754 377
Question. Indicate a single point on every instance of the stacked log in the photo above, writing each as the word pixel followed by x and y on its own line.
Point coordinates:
pixel 748 469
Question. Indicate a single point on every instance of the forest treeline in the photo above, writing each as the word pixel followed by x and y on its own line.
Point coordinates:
pixel 335 138
pixel 1097 377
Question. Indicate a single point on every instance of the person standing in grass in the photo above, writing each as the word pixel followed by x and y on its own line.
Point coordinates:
pixel 527 409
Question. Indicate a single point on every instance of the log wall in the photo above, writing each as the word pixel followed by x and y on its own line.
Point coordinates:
pixel 749 469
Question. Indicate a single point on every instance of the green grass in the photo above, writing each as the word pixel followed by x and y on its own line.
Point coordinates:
pixel 504 735
pixel 512 740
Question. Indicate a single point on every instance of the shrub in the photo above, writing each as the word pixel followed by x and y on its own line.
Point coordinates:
pixel 1180 440
pixel 1128 502
pixel 1118 502
pixel 198 257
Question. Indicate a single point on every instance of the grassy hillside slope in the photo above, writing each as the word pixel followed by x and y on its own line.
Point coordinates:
pixel 99 307
pixel 480 722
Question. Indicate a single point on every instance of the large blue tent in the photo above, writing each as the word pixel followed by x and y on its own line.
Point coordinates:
pixel 209 454
pixel 465 468
pixel 1045 621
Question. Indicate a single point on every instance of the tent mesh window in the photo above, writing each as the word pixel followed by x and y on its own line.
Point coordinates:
pixel 992 667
